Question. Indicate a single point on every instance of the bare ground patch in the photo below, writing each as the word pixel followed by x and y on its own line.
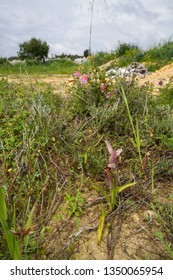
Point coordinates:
pixel 129 232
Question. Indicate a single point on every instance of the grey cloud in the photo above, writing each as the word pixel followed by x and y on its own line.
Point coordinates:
pixel 65 24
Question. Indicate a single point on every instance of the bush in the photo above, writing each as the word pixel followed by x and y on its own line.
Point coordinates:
pixel 125 47
pixel 166 94
pixel 159 55
pixel 3 61
pixel 101 58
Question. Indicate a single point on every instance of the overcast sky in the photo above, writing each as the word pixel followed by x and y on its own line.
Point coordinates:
pixel 65 24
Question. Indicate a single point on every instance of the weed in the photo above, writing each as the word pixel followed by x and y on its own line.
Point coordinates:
pixel 12 242
pixel 164 215
pixel 135 130
pixel 74 204
pixel 51 146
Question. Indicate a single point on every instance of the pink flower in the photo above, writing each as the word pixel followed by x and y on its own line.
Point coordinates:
pixel 108 94
pixel 160 83
pixel 76 74
pixel 114 154
pixel 84 78
pixel 103 87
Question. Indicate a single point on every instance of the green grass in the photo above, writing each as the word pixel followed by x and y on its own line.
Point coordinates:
pixel 52 153
pixel 61 66
pixel 154 58
pixel 125 53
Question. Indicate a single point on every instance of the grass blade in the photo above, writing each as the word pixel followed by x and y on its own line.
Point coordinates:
pixel 122 188
pixel 101 226
pixel 12 242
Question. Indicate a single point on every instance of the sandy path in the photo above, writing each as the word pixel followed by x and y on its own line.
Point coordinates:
pixel 164 74
pixel 60 82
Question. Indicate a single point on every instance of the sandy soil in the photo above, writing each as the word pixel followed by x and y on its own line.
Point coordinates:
pixel 125 237
pixel 60 82
pixel 164 74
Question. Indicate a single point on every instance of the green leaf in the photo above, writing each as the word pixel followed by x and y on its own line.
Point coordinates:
pixel 28 225
pixel 104 193
pixel 30 218
pixel 12 242
pixel 113 193
pixel 122 188
pixel 101 226
pixel 3 208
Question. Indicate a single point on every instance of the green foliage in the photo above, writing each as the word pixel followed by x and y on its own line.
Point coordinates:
pixel 155 57
pixel 129 57
pixel 101 57
pixel 52 150
pixel 3 61
pixel 112 196
pixel 92 94
pixel 124 48
pixel 33 49
pixel 135 128
pixel 86 53
pixel 26 133
pixel 11 240
pixel 166 94
pixel 164 215
pixel 35 67
pixel 159 55
pixel 161 52
pixel 74 204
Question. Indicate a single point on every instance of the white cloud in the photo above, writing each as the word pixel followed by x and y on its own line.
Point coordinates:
pixel 65 24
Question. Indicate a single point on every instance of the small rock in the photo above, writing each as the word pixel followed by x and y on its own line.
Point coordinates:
pixel 148 215
pixel 135 218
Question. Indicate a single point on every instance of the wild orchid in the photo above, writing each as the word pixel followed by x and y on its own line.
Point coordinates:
pixel 108 94
pixel 114 154
pixel 112 163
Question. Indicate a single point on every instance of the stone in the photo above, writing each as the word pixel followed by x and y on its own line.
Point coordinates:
pixel 134 69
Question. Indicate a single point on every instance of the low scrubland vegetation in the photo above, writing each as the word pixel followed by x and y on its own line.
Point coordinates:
pixel 111 137
pixel 123 55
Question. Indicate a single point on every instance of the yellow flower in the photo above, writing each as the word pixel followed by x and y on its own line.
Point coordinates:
pixel 10 170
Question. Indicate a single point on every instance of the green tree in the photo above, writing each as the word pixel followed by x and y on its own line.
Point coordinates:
pixel 86 53
pixel 125 47
pixel 33 49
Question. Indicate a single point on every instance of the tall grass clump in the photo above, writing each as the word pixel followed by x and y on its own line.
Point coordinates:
pixel 29 127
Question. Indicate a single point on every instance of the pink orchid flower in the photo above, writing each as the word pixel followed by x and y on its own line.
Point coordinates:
pixel 108 94
pixel 114 154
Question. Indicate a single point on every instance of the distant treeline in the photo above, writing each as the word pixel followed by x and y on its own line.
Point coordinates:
pixel 72 57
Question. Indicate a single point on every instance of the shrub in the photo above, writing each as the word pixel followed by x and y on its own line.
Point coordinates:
pixel 125 47
pixel 159 55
